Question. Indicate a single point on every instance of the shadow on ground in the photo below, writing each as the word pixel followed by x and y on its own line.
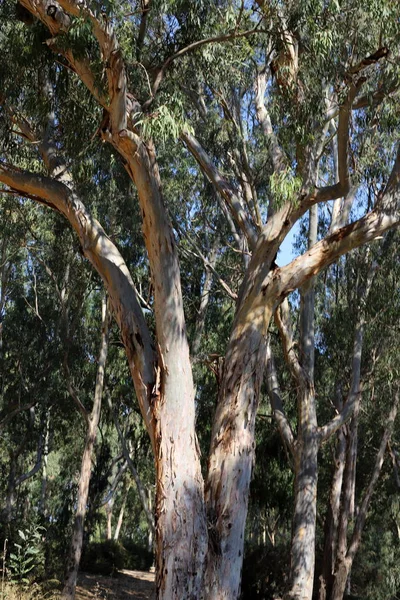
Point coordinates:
pixel 128 585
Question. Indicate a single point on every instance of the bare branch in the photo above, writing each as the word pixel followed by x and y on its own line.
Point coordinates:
pixel 223 187
pixel 114 485
pixel 191 47
pixel 35 467
pixel 278 158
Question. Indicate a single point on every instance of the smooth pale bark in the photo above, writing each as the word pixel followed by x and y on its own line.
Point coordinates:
pixel 68 592
pixel 43 492
pixel 109 513
pixel 302 555
pixel 121 513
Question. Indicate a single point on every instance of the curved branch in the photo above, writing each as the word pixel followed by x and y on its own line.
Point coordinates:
pixel 193 46
pixel 108 262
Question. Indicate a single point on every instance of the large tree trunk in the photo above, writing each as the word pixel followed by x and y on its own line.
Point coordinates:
pixel 181 533
pixel 75 551
pixel 231 460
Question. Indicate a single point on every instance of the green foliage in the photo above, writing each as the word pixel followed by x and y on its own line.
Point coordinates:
pixel 166 122
pixel 27 558
pixel 264 573
pixel 285 187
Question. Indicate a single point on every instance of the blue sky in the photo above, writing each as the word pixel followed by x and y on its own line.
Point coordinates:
pixel 286 254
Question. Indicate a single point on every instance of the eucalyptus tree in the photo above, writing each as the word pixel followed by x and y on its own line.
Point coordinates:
pixel 150 70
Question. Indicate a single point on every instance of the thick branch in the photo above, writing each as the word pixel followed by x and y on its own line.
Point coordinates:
pixel 108 262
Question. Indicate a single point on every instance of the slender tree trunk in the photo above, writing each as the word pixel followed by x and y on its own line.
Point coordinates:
pixel 332 518
pixel 109 512
pixel 205 298
pixel 302 560
pixel 43 492
pixel 345 560
pixel 127 487
pixel 75 552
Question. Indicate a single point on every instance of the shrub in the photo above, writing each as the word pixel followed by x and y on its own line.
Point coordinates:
pixel 105 558
pixel 138 558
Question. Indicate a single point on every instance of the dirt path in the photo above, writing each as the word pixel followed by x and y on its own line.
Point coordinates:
pixel 128 585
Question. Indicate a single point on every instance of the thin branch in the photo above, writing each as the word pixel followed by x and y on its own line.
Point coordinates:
pixel 211 40
pixel 114 485
pixel 223 187
pixel 362 513
pixel 35 467
pixel 74 394
pixel 135 475
pixel 355 387
pixel 276 403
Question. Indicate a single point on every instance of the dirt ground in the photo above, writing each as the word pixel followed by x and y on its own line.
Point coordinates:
pixel 128 585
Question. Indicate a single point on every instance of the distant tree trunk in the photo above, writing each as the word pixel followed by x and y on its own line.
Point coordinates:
pixel 332 518
pixel 75 552
pixel 127 487
pixel 345 559
pixel 109 513
pixel 342 495
pixel 43 491
pixel 205 298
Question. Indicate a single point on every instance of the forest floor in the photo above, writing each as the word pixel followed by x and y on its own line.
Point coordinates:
pixel 128 585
